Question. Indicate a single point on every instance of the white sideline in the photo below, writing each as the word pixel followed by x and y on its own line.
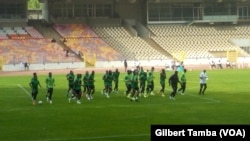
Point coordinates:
pixel 209 99
pixel 20 86
pixel 98 137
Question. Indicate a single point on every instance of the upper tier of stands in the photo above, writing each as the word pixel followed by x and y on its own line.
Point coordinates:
pixel 198 41
pixel 132 48
pixel 81 38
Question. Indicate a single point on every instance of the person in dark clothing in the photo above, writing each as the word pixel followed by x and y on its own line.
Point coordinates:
pixel 34 83
pixel 26 66
pixel 125 65
pixel 173 81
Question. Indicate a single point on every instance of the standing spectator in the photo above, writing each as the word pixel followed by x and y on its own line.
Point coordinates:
pixel 26 66
pixel 50 83
pixel 233 65
pixel 228 64
pixel 183 81
pixel 173 81
pixel 125 65
pixel 203 82
pixel 67 53
pixel 212 64
pixel 21 65
pixel 34 83
pixel 64 40
pixel 173 65
pixel 219 64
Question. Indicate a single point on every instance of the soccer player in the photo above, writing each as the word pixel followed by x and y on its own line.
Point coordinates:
pixel 109 83
pixel 135 86
pixel 116 75
pixel 127 80
pixel 203 82
pixel 77 89
pixel 153 84
pixel 104 78
pixel 34 83
pixel 70 77
pixel 50 83
pixel 183 81
pixel 91 85
pixel 150 80
pixel 163 77
pixel 85 83
pixel 173 81
pixel 142 79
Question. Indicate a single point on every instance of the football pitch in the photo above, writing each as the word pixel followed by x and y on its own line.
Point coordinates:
pixel 226 101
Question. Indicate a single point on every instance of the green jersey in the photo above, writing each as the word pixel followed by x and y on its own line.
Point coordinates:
pixel 50 81
pixel 85 79
pixel 77 84
pixel 109 79
pixel 162 77
pixel 34 83
pixel 70 78
pixel 116 75
pixel 183 78
pixel 151 72
pixel 134 81
pixel 143 77
pixel 150 80
pixel 91 80
pixel 127 79
pixel 105 79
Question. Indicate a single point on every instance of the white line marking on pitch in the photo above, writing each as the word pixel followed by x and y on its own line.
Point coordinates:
pixel 209 99
pixel 100 137
pixel 20 86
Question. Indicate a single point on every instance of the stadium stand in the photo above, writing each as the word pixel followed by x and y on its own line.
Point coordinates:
pixel 81 38
pixel 74 30
pixel 132 48
pixel 33 32
pixel 198 41
pixel 32 51
pixel 114 30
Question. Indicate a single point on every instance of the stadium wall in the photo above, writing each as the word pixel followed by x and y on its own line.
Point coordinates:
pixel 47 66
pixel 243 62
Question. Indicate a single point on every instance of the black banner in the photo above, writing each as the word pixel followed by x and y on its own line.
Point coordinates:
pixel 199 132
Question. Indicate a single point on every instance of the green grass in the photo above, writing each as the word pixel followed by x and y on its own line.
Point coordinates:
pixel 226 101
